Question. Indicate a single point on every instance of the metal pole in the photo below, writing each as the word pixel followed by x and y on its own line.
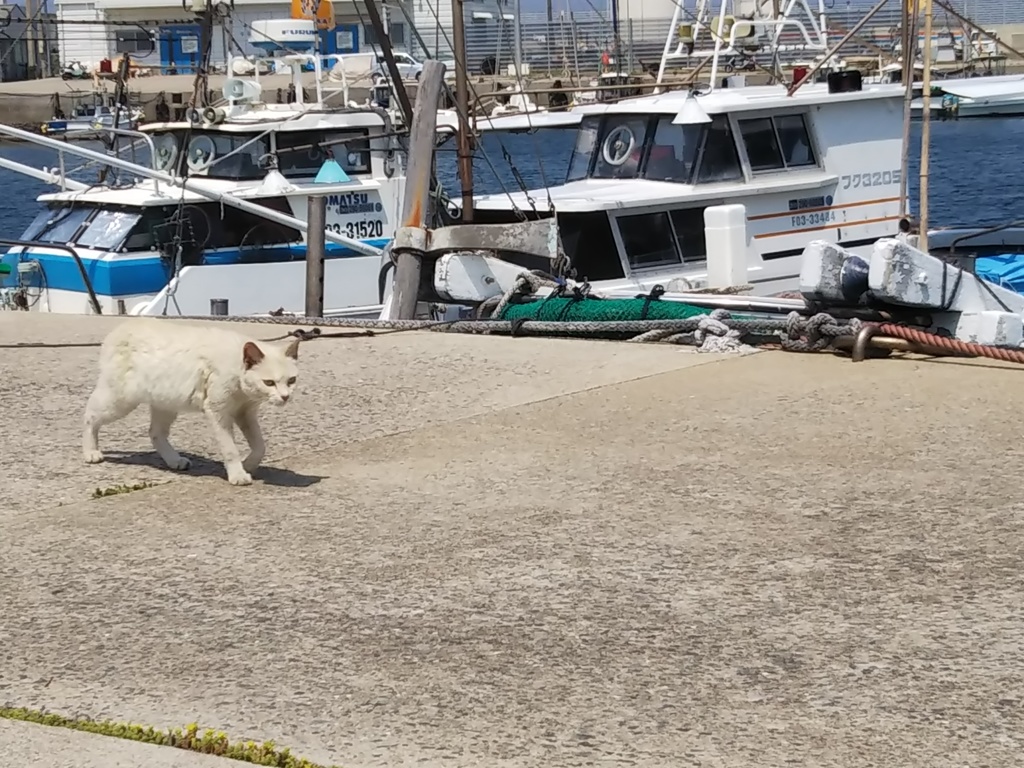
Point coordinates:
pixel 30 38
pixel 926 104
pixel 616 44
pixel 316 218
pixel 846 38
pixel 518 31
pixel 465 152
pixel 384 40
pixel 408 265
pixel 988 36
pixel 909 35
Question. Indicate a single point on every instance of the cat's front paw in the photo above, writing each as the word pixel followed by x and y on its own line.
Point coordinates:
pixel 240 478
pixel 92 457
pixel 179 464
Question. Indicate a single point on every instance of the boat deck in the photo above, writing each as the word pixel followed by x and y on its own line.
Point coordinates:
pixel 518 552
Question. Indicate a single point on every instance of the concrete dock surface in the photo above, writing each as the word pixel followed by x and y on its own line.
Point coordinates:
pixel 469 551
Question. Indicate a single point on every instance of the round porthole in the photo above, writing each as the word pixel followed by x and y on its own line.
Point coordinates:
pixel 166 152
pixel 618 145
pixel 201 151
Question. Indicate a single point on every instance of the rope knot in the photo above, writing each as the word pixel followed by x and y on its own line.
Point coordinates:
pixel 813 334
pixel 713 334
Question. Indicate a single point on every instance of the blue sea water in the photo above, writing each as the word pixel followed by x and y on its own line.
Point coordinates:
pixel 974 176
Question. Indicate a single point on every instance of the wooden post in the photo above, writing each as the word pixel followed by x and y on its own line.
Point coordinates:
pixel 316 218
pixel 926 107
pixel 419 169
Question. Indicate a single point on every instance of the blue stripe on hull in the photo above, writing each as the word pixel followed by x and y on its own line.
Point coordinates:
pixel 127 276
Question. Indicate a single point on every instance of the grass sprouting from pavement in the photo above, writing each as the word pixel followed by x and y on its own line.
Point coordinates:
pixel 207 742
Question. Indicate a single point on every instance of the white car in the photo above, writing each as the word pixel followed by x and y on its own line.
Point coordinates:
pixel 408 67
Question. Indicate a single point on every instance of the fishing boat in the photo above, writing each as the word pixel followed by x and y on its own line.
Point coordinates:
pixel 993 96
pixel 92 113
pixel 805 162
pixel 817 161
pixel 221 211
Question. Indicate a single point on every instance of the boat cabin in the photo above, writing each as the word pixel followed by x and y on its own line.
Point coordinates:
pixel 644 171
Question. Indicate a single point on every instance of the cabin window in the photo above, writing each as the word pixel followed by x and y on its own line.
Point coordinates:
pixel 775 143
pixel 226 155
pixel 303 154
pixel 648 240
pixel 108 229
pixel 590 245
pixel 688 224
pixel 719 160
pixel 37 224
pixel 762 144
pixel 621 147
pixel 586 140
pixel 794 140
pixel 60 225
pixel 673 152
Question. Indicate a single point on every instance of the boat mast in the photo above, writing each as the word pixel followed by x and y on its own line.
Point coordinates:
pixel 384 40
pixel 201 95
pixel 908 43
pixel 465 151
pixel 925 125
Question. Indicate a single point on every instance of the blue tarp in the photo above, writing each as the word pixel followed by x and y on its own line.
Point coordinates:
pixel 1006 269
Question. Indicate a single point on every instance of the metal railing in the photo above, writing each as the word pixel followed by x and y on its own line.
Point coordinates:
pixel 576 42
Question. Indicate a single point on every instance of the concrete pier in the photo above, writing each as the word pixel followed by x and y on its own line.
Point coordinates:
pixel 469 551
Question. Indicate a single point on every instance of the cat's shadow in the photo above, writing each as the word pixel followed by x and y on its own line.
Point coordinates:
pixel 204 467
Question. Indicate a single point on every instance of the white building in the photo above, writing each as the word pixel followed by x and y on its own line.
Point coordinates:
pixel 163 35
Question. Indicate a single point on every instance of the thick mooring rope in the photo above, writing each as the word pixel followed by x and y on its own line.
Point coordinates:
pixel 953 346
pixel 716 331
pixel 794 332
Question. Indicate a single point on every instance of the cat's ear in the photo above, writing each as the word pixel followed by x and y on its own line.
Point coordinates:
pixel 251 355
pixel 292 350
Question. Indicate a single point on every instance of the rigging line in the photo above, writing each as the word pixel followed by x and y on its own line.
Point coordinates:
pixel 529 121
pixel 692 17
pixel 458 108
pixel 439 193
pixel 476 95
pixel 437 190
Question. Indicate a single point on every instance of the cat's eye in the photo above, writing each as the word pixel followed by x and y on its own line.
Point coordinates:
pixel 270 382
pixel 291 381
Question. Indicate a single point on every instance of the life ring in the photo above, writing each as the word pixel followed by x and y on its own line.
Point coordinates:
pixel 624 142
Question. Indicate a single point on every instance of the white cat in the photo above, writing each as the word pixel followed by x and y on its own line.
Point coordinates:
pixel 173 368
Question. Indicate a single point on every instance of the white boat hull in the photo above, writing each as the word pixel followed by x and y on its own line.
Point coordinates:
pixel 971 108
pixel 351 284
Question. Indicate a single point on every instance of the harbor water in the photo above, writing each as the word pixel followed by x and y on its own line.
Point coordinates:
pixel 973 175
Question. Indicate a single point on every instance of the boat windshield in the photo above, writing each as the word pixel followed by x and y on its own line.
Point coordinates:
pixel 58 224
pixel 586 140
pixel 641 146
pixel 216 154
pixel 108 229
pixel 83 225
